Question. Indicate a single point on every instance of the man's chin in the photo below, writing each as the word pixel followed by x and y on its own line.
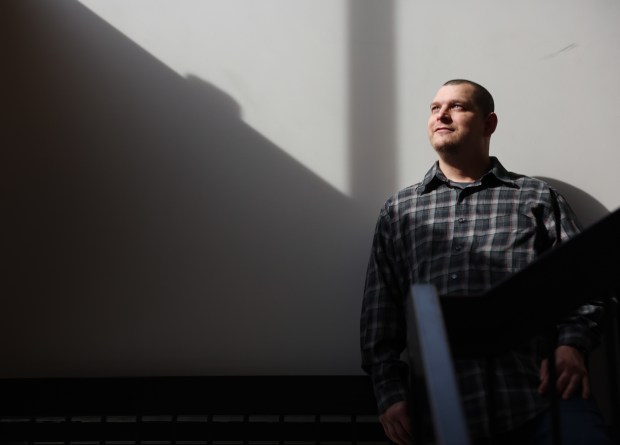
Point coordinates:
pixel 445 149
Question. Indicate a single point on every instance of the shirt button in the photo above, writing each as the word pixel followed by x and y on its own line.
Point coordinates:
pixel 454 276
pixel 461 220
pixel 458 247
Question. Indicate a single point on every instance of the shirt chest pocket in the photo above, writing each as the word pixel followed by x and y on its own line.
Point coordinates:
pixel 504 242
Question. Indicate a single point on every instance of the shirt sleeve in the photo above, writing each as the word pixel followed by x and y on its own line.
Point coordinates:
pixel 582 329
pixel 382 325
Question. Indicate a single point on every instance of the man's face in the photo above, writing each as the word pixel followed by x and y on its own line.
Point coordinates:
pixel 455 122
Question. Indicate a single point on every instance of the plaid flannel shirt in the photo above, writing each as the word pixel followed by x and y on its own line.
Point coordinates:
pixel 463 240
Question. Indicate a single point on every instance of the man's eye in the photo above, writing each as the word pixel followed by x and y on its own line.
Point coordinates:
pixel 457 106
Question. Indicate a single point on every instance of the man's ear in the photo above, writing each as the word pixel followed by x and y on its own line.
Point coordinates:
pixel 490 124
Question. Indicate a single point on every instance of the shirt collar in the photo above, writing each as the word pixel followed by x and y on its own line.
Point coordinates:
pixel 434 177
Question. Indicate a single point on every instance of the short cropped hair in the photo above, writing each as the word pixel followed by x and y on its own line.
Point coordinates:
pixel 482 97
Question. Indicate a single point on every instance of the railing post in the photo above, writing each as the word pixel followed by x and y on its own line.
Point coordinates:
pixel 426 330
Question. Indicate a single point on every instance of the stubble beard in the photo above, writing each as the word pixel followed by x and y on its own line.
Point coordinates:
pixel 446 149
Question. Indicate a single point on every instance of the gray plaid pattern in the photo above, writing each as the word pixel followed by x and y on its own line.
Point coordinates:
pixel 464 239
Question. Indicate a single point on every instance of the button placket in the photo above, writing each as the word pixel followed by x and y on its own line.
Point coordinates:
pixel 460 228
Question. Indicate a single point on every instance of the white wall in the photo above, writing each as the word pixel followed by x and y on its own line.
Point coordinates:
pixel 190 187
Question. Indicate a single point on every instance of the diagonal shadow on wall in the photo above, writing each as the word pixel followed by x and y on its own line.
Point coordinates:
pixel 148 230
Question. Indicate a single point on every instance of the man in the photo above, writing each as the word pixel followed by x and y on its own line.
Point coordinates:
pixel 466 226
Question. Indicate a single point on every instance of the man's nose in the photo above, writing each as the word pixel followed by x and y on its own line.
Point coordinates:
pixel 443 114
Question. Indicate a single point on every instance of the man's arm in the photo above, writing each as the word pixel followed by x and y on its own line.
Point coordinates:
pixel 579 333
pixel 383 334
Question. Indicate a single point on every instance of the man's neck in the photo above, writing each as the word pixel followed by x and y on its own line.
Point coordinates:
pixel 465 171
